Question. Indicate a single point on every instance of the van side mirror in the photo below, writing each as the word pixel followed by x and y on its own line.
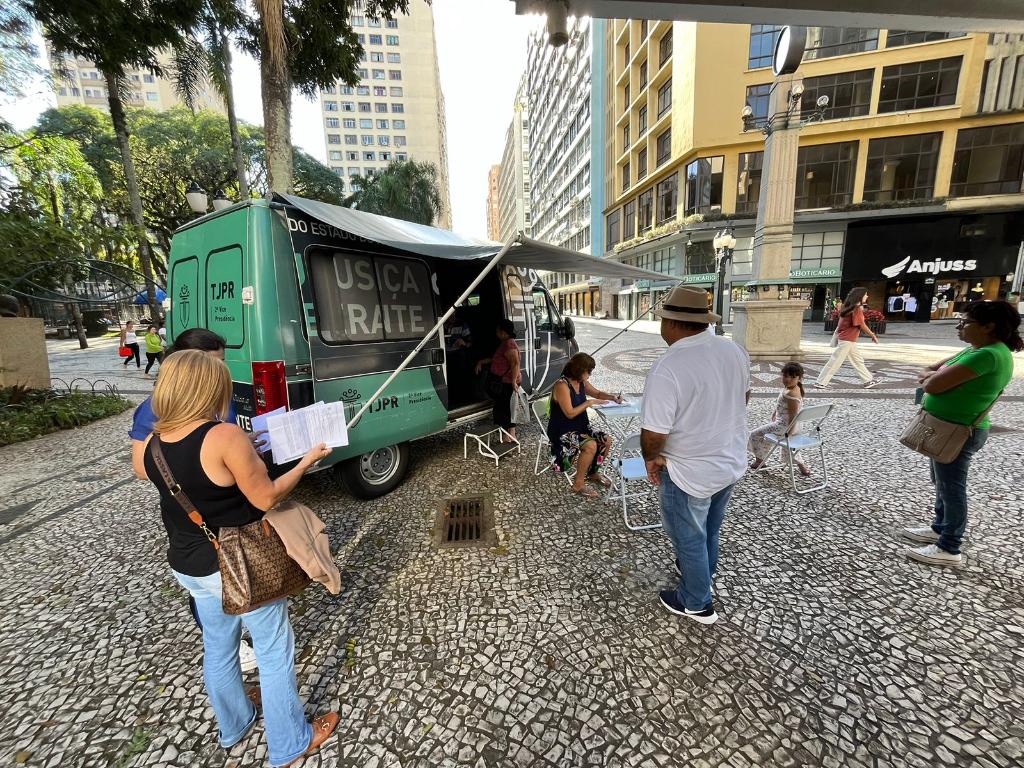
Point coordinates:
pixel 568 328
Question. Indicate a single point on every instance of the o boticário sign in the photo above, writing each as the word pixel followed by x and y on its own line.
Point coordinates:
pixel 821 272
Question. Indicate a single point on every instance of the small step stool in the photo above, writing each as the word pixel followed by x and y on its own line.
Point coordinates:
pixel 484 448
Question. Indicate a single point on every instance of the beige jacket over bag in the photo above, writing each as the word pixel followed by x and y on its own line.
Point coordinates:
pixel 305 539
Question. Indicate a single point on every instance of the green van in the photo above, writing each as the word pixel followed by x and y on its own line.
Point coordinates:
pixel 318 302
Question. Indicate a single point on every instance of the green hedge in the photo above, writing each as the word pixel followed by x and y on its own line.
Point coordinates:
pixel 28 414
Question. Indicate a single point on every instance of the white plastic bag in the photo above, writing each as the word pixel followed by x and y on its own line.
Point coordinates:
pixel 520 407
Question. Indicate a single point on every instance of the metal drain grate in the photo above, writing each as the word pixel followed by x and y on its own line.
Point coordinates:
pixel 464 521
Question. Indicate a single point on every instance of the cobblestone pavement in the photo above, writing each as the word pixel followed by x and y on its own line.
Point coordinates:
pixel 548 649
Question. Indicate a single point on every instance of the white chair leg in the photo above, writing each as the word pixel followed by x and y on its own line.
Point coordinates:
pixel 824 474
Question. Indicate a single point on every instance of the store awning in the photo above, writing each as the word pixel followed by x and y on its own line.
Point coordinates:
pixel 443 244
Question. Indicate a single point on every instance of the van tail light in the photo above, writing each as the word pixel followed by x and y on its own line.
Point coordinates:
pixel 269 387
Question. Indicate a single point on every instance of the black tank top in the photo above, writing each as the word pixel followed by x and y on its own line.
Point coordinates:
pixel 189 551
pixel 560 424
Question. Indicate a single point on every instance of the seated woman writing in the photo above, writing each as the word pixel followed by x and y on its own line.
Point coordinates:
pixel 573 442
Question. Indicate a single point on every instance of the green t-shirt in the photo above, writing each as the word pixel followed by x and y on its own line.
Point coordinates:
pixel 153 343
pixel 964 404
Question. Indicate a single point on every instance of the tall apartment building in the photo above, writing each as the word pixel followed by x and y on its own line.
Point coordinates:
pixel 565 145
pixel 86 85
pixel 493 206
pixel 514 211
pixel 910 185
pixel 396 112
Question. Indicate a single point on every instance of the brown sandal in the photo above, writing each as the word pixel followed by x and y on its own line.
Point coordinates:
pixel 323 728
pixel 254 695
pixel 590 493
pixel 601 480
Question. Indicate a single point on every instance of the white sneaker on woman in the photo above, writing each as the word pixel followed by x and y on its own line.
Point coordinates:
pixel 246 656
pixel 932 555
pixel 924 534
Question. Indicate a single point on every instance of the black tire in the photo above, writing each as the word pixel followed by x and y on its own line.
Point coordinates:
pixel 376 473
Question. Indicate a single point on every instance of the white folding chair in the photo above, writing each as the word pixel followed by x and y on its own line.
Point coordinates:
pixel 631 467
pixel 544 453
pixel 804 433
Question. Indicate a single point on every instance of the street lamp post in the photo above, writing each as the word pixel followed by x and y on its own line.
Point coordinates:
pixel 724 243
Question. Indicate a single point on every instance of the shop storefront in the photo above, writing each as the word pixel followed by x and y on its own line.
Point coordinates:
pixel 580 299
pixel 925 268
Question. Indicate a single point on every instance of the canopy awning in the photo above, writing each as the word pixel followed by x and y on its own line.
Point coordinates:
pixel 443 244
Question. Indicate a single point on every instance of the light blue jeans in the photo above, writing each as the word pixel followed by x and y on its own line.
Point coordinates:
pixel 951 494
pixel 692 524
pixel 288 732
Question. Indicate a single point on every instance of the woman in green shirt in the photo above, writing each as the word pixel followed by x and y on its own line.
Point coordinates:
pixel 960 389
pixel 154 348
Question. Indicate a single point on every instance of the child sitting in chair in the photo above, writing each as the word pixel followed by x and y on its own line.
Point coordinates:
pixel 791 400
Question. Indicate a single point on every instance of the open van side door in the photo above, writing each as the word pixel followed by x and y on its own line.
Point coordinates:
pixel 538 329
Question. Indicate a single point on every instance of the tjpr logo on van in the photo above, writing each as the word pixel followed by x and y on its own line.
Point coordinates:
pixel 935 267
pixel 183 305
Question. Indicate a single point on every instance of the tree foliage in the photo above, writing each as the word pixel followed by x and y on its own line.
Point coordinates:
pixel 17 52
pixel 406 189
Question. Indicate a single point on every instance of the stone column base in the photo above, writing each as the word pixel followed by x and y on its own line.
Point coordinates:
pixel 23 353
pixel 769 330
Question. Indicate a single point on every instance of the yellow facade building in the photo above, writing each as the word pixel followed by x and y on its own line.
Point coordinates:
pixel 919 157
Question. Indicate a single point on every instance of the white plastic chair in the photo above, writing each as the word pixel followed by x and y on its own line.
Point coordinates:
pixel 631 467
pixel 544 453
pixel 810 436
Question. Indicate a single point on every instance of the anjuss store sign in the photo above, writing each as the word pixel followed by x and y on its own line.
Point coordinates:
pixel 921 247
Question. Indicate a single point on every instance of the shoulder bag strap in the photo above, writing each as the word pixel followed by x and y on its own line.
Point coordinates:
pixel 177 493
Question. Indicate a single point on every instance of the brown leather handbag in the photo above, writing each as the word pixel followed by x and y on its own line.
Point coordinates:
pixel 255 569
pixel 938 439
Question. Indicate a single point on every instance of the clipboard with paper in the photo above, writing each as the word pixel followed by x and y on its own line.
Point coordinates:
pixel 293 433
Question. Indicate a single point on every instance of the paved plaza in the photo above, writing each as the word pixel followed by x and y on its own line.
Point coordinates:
pixel 548 649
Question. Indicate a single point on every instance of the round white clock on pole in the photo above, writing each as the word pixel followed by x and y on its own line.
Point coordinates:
pixel 789 50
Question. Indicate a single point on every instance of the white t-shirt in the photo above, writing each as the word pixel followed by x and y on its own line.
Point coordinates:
pixel 130 338
pixel 696 394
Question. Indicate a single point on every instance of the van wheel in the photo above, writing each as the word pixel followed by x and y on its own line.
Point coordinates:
pixel 377 472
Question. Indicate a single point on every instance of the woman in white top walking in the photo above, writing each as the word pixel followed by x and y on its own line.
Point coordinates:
pixel 130 340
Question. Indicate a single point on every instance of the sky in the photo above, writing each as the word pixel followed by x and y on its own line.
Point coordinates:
pixel 481 47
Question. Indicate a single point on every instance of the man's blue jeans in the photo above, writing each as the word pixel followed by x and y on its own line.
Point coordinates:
pixel 693 524
pixel 288 732
pixel 951 494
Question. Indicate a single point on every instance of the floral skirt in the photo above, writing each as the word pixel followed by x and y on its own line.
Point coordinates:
pixel 567 450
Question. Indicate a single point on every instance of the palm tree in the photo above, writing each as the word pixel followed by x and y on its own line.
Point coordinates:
pixel 119 35
pixel 404 190
pixel 209 58
pixel 276 89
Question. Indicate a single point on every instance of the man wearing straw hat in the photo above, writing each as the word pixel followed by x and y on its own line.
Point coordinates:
pixel 694 441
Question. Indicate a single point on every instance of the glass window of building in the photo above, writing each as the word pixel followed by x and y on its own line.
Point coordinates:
pixel 626 55
pixel 664 148
pixel 369 157
pixel 393 24
pixel 612 229
pixel 378 74
pixel 919 85
pixel 381 106
pixel 625 95
pixel 641 121
pixel 849 93
pixel 348 106
pixel 363 73
pixel 668 198
pixel 396 91
pixel 365 123
pixel 394 74
pixel 353 171
pixel 826 42
pixel 665 48
pixel 645 210
pixel 704 184
pixel 335 155
pixel 394 58
pixel 385 156
pixel 358 21
pixel 643 75
pixel 748 182
pixel 351 155
pixel 151 96
pixel 758 99
pixel 151 79
pixel 364 106
pixel 398 108
pixel 700 258
pixel 380 90
pixel 361 38
pixel 817 250
pixel 898 37
pixel 375 23
pixel 762 45
pixel 824 175
pixel 988 161
pixel 349 122
pixel 641 163
pixel 625 137
pixel 333 138
pixel 384 141
pixel 367 140
pixel 333 122
pixel 643 28
pixel 902 167
pixel 625 177
pixel 629 220
pixel 399 141
pixel 392 40
pixel 362 90
pixel 330 106
pixel 376 40
pixel 347 90
pixel 664 98
pixel 377 56
pixel 383 124
pixel 398 124
pixel 401 156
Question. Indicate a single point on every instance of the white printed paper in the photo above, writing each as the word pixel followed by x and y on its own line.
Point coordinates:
pixel 294 433
pixel 259 424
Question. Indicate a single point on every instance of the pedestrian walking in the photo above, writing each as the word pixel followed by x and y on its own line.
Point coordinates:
pixel 694 442
pixel 504 376
pixel 130 340
pixel 574 443
pixel 787 406
pixel 154 348
pixel 215 466
pixel 851 325
pixel 960 389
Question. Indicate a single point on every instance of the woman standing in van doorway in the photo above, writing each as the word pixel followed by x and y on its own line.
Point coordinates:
pixel 851 325
pixel 504 377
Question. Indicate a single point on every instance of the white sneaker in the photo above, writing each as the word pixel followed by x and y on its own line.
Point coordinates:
pixel 924 534
pixel 932 555
pixel 872 384
pixel 246 657
pixel 816 385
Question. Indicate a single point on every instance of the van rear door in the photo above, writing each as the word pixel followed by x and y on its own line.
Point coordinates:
pixel 544 351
